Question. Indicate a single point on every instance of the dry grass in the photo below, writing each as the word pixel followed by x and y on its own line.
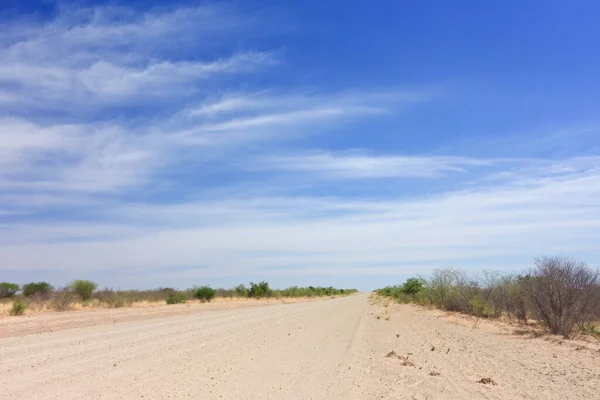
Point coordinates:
pixel 37 307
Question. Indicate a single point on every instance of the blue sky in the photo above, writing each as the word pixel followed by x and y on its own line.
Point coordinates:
pixel 147 144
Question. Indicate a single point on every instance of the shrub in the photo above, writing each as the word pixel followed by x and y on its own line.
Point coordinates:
pixel 497 291
pixel 84 289
pixel 563 293
pixel 8 289
pixel 412 286
pixel 62 300
pixel 40 289
pixel 176 298
pixel 119 300
pixel 18 308
pixel 241 291
pixel 205 293
pixel 440 287
pixel 259 290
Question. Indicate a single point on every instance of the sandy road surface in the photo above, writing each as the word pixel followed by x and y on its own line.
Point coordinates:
pixel 330 349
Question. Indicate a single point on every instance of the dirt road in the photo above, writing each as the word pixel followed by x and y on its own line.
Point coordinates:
pixel 330 349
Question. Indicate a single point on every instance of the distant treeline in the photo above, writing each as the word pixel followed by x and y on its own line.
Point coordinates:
pixel 560 293
pixel 44 295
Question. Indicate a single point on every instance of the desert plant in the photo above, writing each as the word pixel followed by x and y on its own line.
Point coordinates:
pixel 63 299
pixel 563 292
pixel 241 291
pixel 440 286
pixel 84 289
pixel 119 300
pixel 8 289
pixel 205 293
pixel 259 290
pixel 412 286
pixel 176 298
pixel 466 296
pixel 18 308
pixel 496 290
pixel 39 289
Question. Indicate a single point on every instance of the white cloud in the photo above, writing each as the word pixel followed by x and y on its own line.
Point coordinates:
pixel 107 82
pixel 100 55
pixel 84 157
pixel 228 104
pixel 486 225
pixel 284 118
pixel 354 165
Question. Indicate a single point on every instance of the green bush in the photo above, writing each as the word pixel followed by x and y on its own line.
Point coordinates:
pixel 8 289
pixel 205 293
pixel 84 288
pixel 176 298
pixel 18 308
pixel 412 286
pixel 37 289
pixel 241 291
pixel 407 292
pixel 260 290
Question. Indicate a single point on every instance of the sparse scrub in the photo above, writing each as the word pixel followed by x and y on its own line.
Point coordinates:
pixel 63 300
pixel 8 289
pixel 42 296
pixel 84 289
pixel 18 308
pixel 205 293
pixel 562 294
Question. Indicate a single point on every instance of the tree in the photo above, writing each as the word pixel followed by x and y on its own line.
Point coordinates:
pixel 241 290
pixel 440 286
pixel 37 289
pixel 413 286
pixel 259 290
pixel 563 293
pixel 84 288
pixel 205 293
pixel 8 289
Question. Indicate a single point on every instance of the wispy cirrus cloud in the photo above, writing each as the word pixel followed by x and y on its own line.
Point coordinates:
pixel 105 55
pixel 361 165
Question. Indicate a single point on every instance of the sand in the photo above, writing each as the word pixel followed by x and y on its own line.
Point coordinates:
pixel 327 349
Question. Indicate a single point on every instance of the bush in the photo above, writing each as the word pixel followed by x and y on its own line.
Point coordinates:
pixel 176 298
pixel 40 289
pixel 260 290
pixel 563 293
pixel 440 287
pixel 84 289
pixel 8 289
pixel 241 291
pixel 412 286
pixel 18 308
pixel 62 300
pixel 205 293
